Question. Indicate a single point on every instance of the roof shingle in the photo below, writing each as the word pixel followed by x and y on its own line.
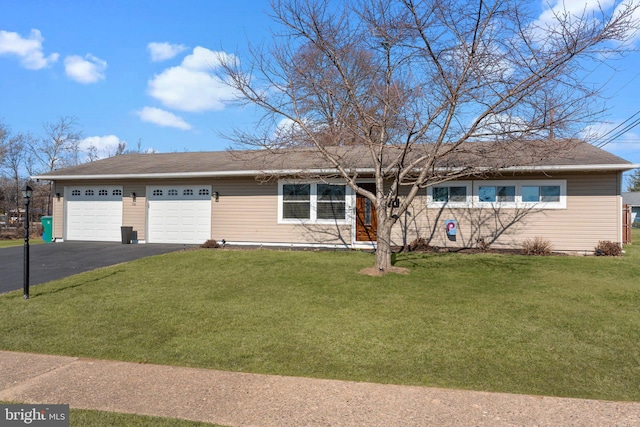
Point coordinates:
pixel 540 155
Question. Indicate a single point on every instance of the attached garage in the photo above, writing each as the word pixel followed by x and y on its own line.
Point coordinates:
pixel 93 213
pixel 179 214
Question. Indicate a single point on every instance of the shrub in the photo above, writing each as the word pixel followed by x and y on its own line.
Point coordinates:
pixel 608 248
pixel 419 244
pixel 210 244
pixel 537 246
pixel 6 234
pixel 482 245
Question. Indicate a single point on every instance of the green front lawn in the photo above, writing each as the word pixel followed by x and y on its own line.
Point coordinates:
pixel 86 418
pixel 11 243
pixel 564 326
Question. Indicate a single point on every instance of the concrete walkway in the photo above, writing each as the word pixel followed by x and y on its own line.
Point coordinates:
pixel 236 399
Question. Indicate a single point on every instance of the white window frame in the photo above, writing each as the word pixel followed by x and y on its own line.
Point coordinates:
pixel 476 193
pixel 313 196
pixel 518 184
pixel 467 203
pixel 560 204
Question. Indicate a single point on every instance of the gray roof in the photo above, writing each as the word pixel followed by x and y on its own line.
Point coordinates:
pixel 570 155
pixel 631 198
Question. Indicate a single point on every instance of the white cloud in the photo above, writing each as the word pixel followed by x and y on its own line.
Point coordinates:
pixel 29 49
pixel 575 8
pixel 162 118
pixel 625 145
pixel 191 85
pixel 164 51
pixel 635 34
pixel 89 69
pixel 100 146
pixel 203 59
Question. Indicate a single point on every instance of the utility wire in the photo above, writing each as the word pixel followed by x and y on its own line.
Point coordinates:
pixel 604 139
pixel 603 136
pixel 620 132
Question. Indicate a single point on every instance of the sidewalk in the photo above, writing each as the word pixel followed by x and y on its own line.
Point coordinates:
pixel 236 399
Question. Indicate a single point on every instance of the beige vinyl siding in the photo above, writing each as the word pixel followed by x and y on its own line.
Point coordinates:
pixel 247 211
pixel 57 212
pixel 134 213
pixel 592 214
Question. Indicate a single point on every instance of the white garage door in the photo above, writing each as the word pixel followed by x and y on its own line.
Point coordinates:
pixel 94 213
pixel 179 214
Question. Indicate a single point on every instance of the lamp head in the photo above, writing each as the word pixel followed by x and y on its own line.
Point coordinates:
pixel 27 192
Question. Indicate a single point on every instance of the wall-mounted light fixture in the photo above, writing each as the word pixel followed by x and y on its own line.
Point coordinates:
pixel 133 196
pixel 58 196
pixel 216 195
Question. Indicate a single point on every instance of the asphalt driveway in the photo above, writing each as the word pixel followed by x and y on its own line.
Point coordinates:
pixel 57 260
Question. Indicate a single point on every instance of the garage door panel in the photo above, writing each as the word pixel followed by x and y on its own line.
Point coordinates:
pixel 179 214
pixel 94 213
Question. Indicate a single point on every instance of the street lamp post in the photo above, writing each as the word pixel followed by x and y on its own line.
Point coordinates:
pixel 27 192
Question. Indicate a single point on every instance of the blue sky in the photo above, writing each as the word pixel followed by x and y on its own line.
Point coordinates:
pixel 139 70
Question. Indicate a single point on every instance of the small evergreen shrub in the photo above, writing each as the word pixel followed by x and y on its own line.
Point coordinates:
pixel 608 248
pixel 537 246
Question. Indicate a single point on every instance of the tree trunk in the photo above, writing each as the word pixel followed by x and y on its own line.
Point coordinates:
pixel 383 246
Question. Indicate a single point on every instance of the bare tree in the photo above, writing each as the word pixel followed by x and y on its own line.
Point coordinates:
pixel 4 135
pixel 59 146
pixel 413 87
pixel 121 148
pixel 13 163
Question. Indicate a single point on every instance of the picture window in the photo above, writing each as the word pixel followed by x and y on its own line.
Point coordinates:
pixel 313 202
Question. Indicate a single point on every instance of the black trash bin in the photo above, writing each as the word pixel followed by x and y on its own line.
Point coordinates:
pixel 126 232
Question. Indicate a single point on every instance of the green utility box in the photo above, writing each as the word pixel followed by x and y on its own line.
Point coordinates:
pixel 47 228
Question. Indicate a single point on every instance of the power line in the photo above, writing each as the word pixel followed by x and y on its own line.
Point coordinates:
pixel 605 139
pixel 601 137
pixel 621 132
